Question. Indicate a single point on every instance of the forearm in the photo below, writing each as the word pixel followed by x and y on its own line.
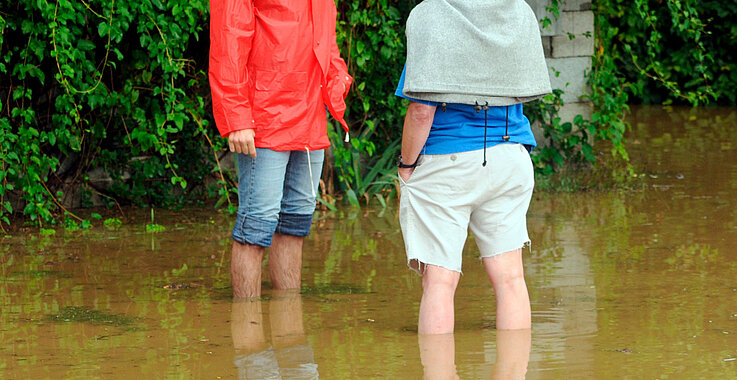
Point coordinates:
pixel 338 70
pixel 417 125
pixel 232 27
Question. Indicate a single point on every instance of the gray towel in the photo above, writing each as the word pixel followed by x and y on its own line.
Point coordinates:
pixel 475 51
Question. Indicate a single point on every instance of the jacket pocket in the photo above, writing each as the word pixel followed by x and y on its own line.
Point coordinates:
pixel 276 96
pixel 276 81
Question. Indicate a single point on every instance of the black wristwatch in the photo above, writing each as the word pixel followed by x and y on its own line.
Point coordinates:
pixel 406 166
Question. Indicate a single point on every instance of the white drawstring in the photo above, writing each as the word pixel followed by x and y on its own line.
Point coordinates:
pixel 309 165
pixel 347 137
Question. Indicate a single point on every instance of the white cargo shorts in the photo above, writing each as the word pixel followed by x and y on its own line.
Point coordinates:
pixel 448 193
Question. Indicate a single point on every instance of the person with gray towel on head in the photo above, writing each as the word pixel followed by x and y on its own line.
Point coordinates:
pixel 465 159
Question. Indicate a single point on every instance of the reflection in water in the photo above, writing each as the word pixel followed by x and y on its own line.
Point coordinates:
pixel 437 354
pixel 289 356
pixel 512 354
pixel 634 285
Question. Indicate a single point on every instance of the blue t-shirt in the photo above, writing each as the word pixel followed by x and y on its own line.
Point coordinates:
pixel 461 129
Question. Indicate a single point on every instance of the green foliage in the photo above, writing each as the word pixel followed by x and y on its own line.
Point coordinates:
pixel 372 46
pixel 153 227
pixel 112 223
pixel 103 84
pixel 572 143
pixel 87 315
pixel 371 36
pixel 121 86
pixel 71 222
pixel 360 171
pixel 672 51
pixel 71 225
pixel 609 93
pixel 180 271
pixel 47 231
pixel 655 53
pixel 568 142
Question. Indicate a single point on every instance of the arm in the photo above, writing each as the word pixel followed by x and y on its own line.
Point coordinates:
pixel 232 26
pixel 338 70
pixel 417 123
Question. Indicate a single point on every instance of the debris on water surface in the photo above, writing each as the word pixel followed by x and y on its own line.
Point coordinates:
pixel 83 314
pixel 625 350
pixel 324 289
pixel 175 286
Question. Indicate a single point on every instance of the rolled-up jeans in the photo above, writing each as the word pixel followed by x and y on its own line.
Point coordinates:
pixel 276 193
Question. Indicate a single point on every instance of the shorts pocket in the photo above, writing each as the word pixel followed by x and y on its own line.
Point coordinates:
pixel 423 160
pixel 525 170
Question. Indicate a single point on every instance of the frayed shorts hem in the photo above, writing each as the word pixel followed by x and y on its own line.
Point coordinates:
pixel 523 245
pixel 418 266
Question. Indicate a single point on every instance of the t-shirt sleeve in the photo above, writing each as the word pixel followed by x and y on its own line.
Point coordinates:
pixel 400 91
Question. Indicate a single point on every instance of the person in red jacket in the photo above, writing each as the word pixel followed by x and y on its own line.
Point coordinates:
pixel 274 70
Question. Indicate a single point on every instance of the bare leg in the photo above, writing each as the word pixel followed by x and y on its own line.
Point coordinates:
pixel 285 261
pixel 436 308
pixel 437 353
pixel 512 354
pixel 508 279
pixel 245 269
pixel 246 325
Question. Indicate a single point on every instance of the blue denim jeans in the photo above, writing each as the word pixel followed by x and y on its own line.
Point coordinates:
pixel 275 194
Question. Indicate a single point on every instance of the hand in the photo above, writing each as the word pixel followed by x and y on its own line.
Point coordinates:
pixel 242 142
pixel 346 86
pixel 405 173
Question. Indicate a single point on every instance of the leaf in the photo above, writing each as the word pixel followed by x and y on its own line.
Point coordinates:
pixel 381 200
pixel 393 13
pixel 103 29
pixel 327 204
pixel 85 45
pixel 351 195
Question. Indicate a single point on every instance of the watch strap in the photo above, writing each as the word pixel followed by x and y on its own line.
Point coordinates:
pixel 406 166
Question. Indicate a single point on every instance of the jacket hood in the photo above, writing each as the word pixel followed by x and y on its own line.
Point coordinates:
pixel 475 51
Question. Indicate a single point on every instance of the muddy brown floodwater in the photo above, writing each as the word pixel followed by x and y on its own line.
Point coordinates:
pixel 624 285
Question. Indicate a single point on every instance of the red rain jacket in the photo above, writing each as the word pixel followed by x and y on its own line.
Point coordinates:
pixel 274 67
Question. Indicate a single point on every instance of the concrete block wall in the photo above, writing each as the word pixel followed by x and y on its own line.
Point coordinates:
pixel 569 44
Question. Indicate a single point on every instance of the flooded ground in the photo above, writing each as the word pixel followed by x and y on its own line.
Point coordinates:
pixel 624 285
